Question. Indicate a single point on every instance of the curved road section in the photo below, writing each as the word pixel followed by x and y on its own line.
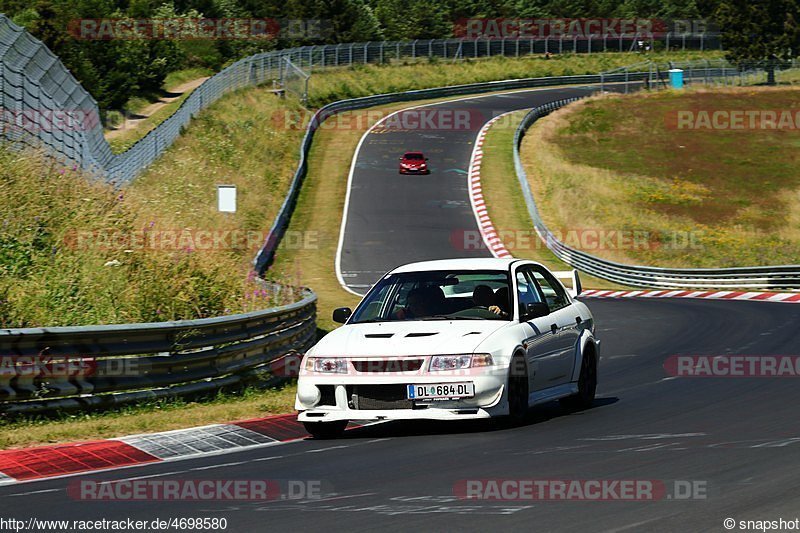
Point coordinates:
pixel 392 219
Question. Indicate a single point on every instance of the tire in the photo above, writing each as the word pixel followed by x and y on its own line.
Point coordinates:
pixel 325 430
pixel 587 385
pixel 517 389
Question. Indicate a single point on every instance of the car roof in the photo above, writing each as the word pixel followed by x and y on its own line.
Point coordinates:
pixel 481 263
pixel 412 153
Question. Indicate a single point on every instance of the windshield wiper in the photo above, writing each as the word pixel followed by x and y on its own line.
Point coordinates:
pixel 452 317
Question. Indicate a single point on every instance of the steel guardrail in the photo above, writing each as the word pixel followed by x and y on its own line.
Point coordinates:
pixel 780 277
pixel 98 366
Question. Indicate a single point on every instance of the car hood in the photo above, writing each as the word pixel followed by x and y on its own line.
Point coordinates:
pixel 427 337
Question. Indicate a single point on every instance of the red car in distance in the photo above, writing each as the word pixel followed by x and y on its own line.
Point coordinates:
pixel 414 163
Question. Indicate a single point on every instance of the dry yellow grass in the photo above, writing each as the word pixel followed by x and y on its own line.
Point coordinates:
pixel 506 205
pixel 703 211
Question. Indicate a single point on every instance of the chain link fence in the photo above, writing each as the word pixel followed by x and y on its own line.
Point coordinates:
pixel 35 87
pixel 707 72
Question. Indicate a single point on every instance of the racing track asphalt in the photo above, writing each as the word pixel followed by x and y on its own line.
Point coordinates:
pixel 737 436
pixel 393 219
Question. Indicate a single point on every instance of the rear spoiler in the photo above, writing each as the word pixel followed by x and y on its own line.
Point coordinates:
pixel 573 275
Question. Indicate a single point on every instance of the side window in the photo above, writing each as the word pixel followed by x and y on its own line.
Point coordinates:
pixel 526 292
pixel 554 293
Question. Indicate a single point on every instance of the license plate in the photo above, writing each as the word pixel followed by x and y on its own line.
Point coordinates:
pixel 441 391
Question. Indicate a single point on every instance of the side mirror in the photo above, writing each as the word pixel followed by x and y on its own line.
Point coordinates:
pixel 426 159
pixel 341 314
pixel 536 310
pixel 573 275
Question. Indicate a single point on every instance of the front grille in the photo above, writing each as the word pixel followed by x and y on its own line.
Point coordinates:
pixel 365 397
pixel 388 365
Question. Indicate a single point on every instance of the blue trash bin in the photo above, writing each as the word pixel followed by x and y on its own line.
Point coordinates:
pixel 676 78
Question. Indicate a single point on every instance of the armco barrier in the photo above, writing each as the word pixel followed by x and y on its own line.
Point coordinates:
pixel 267 252
pixel 768 277
pixel 99 366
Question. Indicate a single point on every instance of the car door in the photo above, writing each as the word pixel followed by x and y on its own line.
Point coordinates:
pixel 540 341
pixel 564 321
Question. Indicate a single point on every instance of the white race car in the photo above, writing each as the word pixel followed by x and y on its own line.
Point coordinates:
pixel 452 340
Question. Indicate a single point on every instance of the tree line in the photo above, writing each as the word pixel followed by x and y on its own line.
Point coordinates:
pixel 115 70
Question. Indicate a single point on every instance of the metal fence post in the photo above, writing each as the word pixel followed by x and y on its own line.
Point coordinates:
pixel 626 80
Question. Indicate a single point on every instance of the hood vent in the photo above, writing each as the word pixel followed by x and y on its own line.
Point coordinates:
pixel 425 334
pixel 378 335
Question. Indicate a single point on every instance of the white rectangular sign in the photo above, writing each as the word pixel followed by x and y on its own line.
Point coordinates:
pixel 226 198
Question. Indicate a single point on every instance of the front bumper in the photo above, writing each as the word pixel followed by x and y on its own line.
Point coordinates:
pixel 342 399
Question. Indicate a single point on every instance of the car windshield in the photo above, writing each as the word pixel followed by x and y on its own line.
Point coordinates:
pixel 437 295
pixel 414 156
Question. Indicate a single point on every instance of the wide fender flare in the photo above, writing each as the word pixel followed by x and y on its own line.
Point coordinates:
pixel 586 339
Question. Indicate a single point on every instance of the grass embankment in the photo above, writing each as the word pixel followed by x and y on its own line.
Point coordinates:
pixel 76 252
pixel 506 205
pixel 362 80
pixel 696 197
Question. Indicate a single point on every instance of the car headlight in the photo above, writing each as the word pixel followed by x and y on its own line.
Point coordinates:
pixel 328 365
pixel 457 362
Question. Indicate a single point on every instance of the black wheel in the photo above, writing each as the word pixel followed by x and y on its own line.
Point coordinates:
pixel 518 388
pixel 587 384
pixel 325 430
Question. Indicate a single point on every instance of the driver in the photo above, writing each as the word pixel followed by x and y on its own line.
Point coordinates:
pixel 484 298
